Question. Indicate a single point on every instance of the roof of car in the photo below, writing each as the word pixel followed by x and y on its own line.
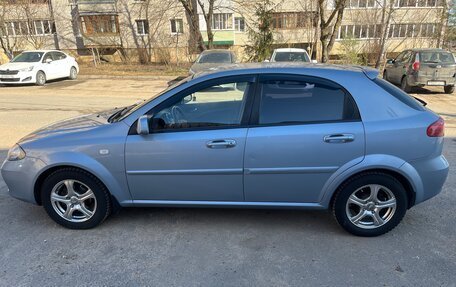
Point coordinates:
pixel 287 66
pixel 216 51
pixel 40 51
pixel 428 50
pixel 290 50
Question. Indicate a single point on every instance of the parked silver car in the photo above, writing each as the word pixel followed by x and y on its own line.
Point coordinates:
pixel 258 136
pixel 422 67
pixel 212 59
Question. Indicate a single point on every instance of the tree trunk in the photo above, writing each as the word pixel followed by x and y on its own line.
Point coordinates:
pixel 196 42
pixel 387 12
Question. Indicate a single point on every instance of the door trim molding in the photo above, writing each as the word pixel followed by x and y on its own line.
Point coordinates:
pixel 226 171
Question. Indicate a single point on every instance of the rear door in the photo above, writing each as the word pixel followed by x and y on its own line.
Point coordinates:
pixel 61 64
pixel 399 67
pixel 304 129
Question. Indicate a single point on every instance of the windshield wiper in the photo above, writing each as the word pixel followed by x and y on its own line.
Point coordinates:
pixel 118 114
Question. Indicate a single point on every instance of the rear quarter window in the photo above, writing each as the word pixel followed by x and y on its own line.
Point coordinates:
pixel 399 94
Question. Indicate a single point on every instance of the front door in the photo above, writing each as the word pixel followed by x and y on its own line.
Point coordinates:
pixel 307 129
pixel 195 149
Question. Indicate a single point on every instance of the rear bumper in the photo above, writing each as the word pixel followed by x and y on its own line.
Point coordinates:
pixel 429 176
pixel 20 177
pixel 423 80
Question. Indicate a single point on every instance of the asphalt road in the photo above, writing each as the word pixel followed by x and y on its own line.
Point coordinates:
pixel 211 247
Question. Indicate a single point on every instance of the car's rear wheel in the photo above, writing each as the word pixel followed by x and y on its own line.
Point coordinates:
pixel 405 86
pixel 75 199
pixel 449 89
pixel 40 78
pixel 370 204
pixel 73 73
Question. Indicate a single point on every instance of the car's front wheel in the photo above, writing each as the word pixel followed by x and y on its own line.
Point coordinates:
pixel 40 78
pixel 370 204
pixel 449 89
pixel 75 198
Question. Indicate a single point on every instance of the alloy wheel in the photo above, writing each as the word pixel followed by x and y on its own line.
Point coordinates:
pixel 371 206
pixel 73 200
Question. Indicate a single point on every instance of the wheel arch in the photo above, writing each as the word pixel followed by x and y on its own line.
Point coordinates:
pixel 410 191
pixel 44 174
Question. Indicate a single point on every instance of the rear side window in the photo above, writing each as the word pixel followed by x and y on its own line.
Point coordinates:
pixel 399 94
pixel 304 100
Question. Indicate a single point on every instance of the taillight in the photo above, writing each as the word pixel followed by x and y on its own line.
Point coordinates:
pixel 436 129
pixel 416 66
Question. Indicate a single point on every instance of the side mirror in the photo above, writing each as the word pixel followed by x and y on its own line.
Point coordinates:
pixel 390 61
pixel 314 61
pixel 142 127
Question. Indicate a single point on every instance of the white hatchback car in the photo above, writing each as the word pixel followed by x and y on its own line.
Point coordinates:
pixel 290 55
pixel 38 67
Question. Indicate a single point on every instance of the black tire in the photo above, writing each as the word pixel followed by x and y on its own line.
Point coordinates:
pixel 73 73
pixel 341 198
pixel 103 204
pixel 449 89
pixel 405 86
pixel 40 78
pixel 385 75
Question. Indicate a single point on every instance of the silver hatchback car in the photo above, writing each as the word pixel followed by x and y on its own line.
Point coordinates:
pixel 258 136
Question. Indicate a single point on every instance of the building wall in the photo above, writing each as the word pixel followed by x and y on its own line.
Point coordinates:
pixel 74 31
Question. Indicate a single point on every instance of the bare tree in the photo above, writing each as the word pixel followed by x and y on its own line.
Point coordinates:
pixel 329 26
pixel 387 12
pixel 191 10
pixel 207 14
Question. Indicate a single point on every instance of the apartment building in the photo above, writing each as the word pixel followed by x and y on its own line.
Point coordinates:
pixel 158 30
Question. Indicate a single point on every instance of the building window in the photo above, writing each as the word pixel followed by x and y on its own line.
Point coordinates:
pixel 142 27
pixel 239 24
pixel 293 20
pixel 99 24
pixel 361 3
pixel 222 21
pixel 177 26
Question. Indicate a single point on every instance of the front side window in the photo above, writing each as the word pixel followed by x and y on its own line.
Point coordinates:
pixel 304 100
pixel 216 106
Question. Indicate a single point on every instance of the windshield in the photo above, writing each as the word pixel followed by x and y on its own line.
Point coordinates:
pixel 291 57
pixel 215 58
pixel 131 109
pixel 437 57
pixel 28 57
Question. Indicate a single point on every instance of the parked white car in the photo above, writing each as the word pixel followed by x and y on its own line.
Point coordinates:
pixel 38 67
pixel 290 55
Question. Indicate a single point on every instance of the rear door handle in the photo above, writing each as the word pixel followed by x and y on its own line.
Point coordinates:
pixel 339 138
pixel 221 144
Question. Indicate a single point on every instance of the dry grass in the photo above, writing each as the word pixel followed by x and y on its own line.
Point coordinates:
pixel 121 69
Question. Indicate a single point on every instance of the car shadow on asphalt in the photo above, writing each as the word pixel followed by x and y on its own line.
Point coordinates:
pixel 49 84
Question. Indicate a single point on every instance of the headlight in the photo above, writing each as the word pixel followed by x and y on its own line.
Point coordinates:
pixel 16 153
pixel 29 69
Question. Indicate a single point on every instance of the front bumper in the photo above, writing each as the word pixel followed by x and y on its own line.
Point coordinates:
pixel 20 177
pixel 19 78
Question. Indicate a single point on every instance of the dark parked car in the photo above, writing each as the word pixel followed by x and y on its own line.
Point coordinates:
pixel 422 67
pixel 211 59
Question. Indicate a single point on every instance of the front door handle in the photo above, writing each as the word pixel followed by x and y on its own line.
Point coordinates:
pixel 339 138
pixel 221 144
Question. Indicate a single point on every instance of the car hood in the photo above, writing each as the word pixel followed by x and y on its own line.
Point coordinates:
pixel 16 66
pixel 198 67
pixel 70 126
